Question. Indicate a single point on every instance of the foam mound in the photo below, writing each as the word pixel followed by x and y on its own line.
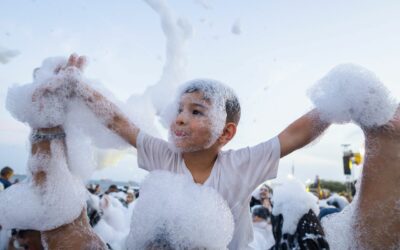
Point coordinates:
pixel 292 201
pixel 174 212
pixel 351 93
pixel 48 206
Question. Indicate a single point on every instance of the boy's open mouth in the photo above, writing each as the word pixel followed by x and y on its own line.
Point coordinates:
pixel 179 133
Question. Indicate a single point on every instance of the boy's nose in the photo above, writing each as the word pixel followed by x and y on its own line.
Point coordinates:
pixel 180 119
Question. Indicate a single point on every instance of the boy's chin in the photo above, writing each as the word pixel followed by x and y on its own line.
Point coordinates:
pixel 181 148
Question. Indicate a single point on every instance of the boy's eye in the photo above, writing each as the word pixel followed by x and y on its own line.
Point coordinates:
pixel 196 112
pixel 180 110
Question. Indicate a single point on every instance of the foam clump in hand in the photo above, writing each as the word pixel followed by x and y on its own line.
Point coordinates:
pixel 52 100
pixel 351 93
pixel 292 201
pixel 55 202
pixel 174 212
pixel 43 103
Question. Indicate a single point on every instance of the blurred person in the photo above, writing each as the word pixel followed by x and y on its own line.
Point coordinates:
pixel 78 233
pixel 112 189
pixel 263 237
pixel 379 192
pixel 5 176
pixel 262 196
pixel 337 201
pixel 25 239
pixel 130 196
pixel 309 234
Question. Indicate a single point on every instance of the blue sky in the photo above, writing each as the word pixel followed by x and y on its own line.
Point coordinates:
pixel 282 49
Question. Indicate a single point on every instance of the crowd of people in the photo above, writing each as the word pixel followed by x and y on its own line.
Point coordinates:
pixel 204 119
pixel 106 207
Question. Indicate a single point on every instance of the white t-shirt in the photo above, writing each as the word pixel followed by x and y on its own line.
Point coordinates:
pixel 235 174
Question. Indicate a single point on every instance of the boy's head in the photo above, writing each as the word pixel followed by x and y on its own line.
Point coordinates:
pixel 207 112
pixel 7 173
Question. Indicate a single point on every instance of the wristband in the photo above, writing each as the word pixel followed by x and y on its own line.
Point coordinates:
pixel 39 136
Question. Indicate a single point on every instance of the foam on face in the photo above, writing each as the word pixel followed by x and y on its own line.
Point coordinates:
pixel 353 93
pixel 292 201
pixel 184 216
pixel 209 93
pixel 59 200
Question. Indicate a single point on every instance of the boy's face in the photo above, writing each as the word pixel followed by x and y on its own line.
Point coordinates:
pixel 192 128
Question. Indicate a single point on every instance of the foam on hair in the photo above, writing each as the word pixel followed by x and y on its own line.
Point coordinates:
pixel 225 106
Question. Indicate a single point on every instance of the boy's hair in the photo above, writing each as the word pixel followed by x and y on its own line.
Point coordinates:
pixel 6 171
pixel 212 90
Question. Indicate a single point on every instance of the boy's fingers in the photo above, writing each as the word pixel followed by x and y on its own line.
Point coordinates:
pixel 72 60
pixel 81 63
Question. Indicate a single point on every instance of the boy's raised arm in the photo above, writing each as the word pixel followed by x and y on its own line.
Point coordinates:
pixel 110 113
pixel 301 132
pixel 102 107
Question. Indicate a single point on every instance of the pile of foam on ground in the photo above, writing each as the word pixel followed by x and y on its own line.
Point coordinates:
pixel 55 202
pixel 174 212
pixel 293 201
pixel 351 93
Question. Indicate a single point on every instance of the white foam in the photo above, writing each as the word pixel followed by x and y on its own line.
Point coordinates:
pixel 59 200
pixel 48 110
pixel 293 201
pixel 338 228
pixel 177 31
pixel 185 215
pixel 340 200
pixel 352 93
pixel 48 101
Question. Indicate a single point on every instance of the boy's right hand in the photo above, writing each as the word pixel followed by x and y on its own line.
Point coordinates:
pixel 74 61
pixel 68 73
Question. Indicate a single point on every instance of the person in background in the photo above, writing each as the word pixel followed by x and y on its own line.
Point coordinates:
pixel 25 239
pixel 262 196
pixel 130 196
pixel 112 189
pixel 263 236
pixel 5 175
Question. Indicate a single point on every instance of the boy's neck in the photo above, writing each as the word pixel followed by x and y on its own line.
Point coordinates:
pixel 200 163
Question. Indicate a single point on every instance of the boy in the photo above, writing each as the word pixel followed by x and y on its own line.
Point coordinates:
pixel 197 137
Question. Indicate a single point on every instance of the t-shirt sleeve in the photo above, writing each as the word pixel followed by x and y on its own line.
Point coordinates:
pixel 153 153
pixel 256 164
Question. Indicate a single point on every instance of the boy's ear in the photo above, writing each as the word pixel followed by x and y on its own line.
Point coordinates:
pixel 228 133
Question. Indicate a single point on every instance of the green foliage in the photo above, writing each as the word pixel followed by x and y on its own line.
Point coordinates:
pixel 333 186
